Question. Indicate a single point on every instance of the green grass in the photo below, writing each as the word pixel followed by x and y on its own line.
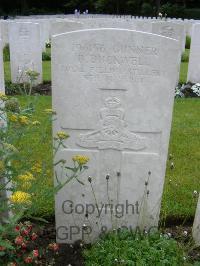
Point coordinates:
pixel 185 56
pixel 36 147
pixel 178 197
pixel 46 65
pixel 184 146
pixel 183 72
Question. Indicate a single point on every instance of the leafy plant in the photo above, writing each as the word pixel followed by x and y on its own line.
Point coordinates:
pixel 133 248
pixel 6 53
pixel 20 182
pixel 46 56
pixel 185 56
pixel 188 42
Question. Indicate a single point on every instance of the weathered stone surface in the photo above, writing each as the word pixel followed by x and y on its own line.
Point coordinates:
pixel 143 25
pixel 4 32
pixel 2 84
pixel 194 60
pixel 113 92
pixel 108 23
pixel 172 30
pixel 63 26
pixel 196 225
pixel 25 50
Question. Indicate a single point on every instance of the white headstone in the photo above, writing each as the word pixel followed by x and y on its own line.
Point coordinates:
pixel 143 25
pixel 194 60
pixel 196 225
pixel 44 29
pixel 63 26
pixel 113 92
pixel 2 84
pixel 4 32
pixel 172 30
pixel 25 50
pixel 108 23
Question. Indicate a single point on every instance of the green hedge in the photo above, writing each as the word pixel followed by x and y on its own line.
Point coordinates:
pixel 193 13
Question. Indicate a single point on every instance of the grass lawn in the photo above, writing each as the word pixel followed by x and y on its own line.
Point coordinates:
pixel 178 195
pixel 46 65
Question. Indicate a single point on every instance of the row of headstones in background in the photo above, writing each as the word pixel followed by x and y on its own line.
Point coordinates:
pixel 49 27
pixel 123 131
pixel 25 41
pixel 45 25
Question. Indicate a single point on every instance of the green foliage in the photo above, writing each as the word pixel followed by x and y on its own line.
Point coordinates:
pixel 193 13
pixel 185 56
pixel 107 6
pixel 134 7
pixel 173 10
pixel 46 56
pixel 12 105
pixel 183 72
pixel 147 9
pixel 46 75
pixel 129 248
pixel 183 179
pixel 6 53
pixel 188 42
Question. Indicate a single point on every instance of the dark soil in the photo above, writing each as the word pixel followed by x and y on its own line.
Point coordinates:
pixel 67 255
pixel 43 89
pixel 72 254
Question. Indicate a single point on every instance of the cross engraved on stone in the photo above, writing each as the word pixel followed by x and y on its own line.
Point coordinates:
pixel 112 132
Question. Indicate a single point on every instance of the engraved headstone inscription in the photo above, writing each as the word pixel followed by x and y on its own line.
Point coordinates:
pixel 113 92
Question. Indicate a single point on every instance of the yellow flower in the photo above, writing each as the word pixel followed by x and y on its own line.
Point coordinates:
pixel 36 123
pixel 80 159
pixel 20 197
pixel 23 120
pixel 13 118
pixel 26 177
pixel 62 135
pixel 3 97
pixel 50 111
pixel 37 168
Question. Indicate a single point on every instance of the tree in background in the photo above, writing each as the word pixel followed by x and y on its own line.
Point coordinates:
pixel 132 7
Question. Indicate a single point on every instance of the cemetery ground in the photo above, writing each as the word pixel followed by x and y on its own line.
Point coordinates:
pixel 178 204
